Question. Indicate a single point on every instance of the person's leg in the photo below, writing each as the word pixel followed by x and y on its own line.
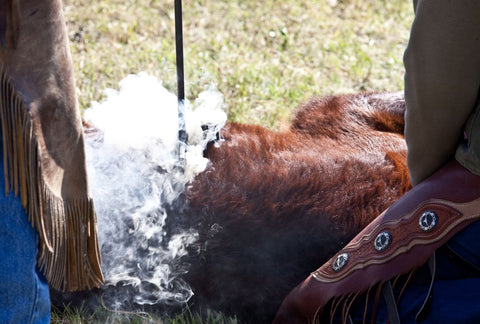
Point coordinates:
pixel 453 301
pixel 418 224
pixel 456 290
pixel 24 295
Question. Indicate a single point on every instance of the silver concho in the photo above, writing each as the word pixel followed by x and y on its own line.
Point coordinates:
pixel 382 241
pixel 428 221
pixel 340 262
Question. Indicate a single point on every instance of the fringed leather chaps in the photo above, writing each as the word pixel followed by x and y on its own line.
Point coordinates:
pixel 42 140
pixel 399 240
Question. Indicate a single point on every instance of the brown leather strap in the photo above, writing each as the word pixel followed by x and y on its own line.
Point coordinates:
pixel 427 304
pixel 387 291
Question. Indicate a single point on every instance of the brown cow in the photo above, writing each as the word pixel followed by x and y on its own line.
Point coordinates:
pixel 273 206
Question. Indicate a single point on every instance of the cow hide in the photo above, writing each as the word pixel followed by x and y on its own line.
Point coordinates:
pixel 271 207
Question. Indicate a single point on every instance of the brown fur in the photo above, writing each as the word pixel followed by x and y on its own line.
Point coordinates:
pixel 274 206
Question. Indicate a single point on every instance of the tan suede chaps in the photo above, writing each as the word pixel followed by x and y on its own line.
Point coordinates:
pixel 42 140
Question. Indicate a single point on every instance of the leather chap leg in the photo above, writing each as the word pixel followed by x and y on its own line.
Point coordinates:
pixel 402 238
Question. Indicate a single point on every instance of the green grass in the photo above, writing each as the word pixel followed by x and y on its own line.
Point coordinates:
pixel 266 57
pixel 101 316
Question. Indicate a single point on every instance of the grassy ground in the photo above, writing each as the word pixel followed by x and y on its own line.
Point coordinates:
pixel 104 317
pixel 266 57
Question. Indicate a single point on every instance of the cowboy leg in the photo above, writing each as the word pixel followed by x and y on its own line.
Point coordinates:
pixel 399 240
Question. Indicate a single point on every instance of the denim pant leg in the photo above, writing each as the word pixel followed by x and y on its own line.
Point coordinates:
pixel 453 301
pixel 456 291
pixel 24 294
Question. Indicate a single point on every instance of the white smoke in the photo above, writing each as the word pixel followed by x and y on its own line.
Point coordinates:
pixel 134 173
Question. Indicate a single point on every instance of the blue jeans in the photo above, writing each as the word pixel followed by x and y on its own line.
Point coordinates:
pixel 24 295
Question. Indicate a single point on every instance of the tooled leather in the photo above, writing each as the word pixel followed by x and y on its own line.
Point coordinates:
pixel 405 233
pixel 452 191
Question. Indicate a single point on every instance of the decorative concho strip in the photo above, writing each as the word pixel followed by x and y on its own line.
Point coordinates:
pixel 362 251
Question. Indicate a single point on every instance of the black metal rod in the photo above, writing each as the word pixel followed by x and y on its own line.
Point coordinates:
pixel 182 133
pixel 179 47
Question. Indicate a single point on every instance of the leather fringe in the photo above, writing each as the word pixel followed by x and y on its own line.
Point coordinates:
pixel 69 254
pixel 339 307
